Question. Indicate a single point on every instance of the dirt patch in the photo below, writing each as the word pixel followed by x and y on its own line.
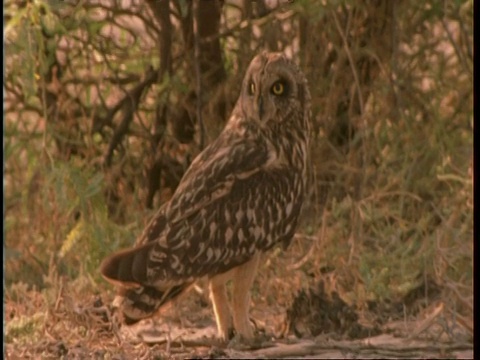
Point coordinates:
pixel 314 312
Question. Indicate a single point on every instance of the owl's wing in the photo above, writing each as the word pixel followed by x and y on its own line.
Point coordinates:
pixel 214 172
pixel 171 235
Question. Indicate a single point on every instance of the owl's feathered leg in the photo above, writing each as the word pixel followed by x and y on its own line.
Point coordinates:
pixel 242 277
pixel 221 308
pixel 242 282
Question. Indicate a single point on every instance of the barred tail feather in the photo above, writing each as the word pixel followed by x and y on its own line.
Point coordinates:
pixel 127 269
pixel 145 301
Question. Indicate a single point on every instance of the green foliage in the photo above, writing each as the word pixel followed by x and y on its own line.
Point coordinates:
pixel 71 215
pixel 24 327
pixel 80 193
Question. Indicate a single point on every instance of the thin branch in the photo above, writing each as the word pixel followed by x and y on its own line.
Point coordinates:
pixel 458 51
pixel 350 60
pixel 129 103
pixel 198 75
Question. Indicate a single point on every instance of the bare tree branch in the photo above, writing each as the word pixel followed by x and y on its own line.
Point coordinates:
pixel 129 103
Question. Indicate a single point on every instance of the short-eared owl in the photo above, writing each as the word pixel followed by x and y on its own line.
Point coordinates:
pixel 241 195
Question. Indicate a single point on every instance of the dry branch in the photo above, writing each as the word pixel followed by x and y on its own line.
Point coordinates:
pixel 396 348
pixel 129 103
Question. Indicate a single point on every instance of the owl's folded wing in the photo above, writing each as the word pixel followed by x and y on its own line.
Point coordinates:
pixel 210 177
pixel 213 173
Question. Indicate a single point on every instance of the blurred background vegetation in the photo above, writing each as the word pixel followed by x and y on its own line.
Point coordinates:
pixel 106 102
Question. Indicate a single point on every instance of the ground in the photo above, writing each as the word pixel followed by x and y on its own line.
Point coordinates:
pixel 314 325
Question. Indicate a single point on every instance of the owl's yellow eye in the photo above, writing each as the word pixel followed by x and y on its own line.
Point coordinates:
pixel 251 88
pixel 278 88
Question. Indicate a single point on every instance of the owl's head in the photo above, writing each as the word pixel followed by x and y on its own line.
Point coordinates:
pixel 274 90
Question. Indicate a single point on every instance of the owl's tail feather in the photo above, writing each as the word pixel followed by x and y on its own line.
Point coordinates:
pixel 127 269
pixel 141 303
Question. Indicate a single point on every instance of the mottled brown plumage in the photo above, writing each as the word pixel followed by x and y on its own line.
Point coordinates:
pixel 240 197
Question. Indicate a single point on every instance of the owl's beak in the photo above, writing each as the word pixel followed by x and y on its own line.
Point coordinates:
pixel 260 107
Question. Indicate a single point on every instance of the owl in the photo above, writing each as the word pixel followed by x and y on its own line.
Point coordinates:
pixel 241 196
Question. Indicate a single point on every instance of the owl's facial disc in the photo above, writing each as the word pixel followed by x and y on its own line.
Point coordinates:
pixel 271 98
pixel 268 89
